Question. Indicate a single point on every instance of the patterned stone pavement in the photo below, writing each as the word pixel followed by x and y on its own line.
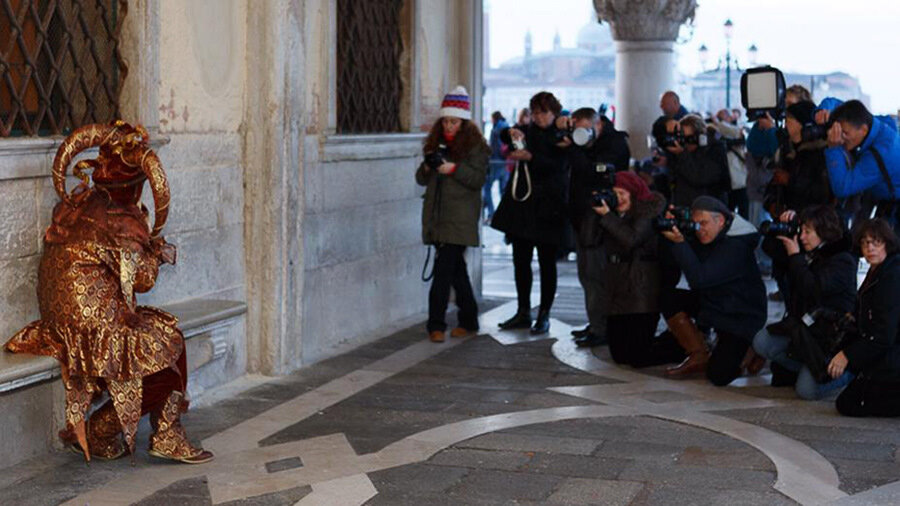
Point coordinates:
pixel 501 418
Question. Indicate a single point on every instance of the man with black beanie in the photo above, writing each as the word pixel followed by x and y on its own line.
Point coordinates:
pixel 726 292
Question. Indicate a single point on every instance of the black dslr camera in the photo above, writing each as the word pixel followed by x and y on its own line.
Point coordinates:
pixel 605 179
pixel 779 229
pixel 436 158
pixel 814 132
pixel 681 218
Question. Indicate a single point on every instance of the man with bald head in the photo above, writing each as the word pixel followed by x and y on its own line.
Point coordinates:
pixel 671 106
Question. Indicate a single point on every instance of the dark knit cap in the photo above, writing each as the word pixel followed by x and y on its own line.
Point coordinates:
pixel 711 204
pixel 803 111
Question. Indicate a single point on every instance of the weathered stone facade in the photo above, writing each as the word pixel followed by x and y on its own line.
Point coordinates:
pixel 317 233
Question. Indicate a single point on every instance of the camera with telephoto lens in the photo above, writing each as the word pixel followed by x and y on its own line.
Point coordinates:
pixel 436 158
pixel 681 218
pixel 780 229
pixel 605 179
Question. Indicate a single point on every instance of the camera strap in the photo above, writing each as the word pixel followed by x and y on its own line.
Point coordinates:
pixel 515 182
pixel 884 173
pixel 427 278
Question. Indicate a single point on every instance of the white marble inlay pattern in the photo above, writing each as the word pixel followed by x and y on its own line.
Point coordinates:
pixel 337 474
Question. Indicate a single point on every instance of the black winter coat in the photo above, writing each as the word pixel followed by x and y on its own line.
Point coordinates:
pixel 876 351
pixel 808 180
pixel 703 172
pixel 539 218
pixel 827 280
pixel 632 269
pixel 610 148
pixel 725 275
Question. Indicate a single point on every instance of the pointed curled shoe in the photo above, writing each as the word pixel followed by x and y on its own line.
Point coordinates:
pixel 104 435
pixel 170 441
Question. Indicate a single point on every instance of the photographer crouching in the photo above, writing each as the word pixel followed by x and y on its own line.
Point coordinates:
pixel 632 273
pixel 726 291
pixel 821 272
pixel 454 171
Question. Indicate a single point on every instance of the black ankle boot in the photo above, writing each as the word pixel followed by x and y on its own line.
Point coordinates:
pixel 542 324
pixel 590 340
pixel 782 376
pixel 518 321
pixel 581 332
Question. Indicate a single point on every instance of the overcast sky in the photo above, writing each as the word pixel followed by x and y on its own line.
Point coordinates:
pixel 813 36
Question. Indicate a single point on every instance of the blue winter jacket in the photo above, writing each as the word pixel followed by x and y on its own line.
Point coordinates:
pixel 855 173
pixel 496 144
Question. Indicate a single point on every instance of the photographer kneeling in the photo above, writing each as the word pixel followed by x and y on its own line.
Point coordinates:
pixel 874 354
pixel 726 291
pixel 454 170
pixel 823 280
pixel 633 273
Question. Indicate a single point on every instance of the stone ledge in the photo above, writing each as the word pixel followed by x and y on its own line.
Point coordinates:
pixel 195 318
pixel 42 150
pixel 372 146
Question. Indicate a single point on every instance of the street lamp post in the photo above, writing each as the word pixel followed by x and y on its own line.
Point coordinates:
pixel 729 27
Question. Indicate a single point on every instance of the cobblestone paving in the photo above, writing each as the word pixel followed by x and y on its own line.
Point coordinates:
pixel 612 458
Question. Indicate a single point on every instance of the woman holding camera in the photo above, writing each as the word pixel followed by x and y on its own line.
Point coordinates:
pixel 454 171
pixel 699 167
pixel 822 276
pixel 533 210
pixel 632 275
pixel 874 354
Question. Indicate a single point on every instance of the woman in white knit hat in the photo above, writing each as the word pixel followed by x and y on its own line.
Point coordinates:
pixel 453 173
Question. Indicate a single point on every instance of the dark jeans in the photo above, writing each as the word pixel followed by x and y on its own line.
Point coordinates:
pixel 725 361
pixel 450 270
pixel 523 251
pixel 496 172
pixel 591 263
pixel 867 397
pixel 632 341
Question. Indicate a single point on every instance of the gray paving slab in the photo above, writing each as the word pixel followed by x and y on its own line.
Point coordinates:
pixel 533 443
pixel 595 492
pixel 506 486
pixel 575 466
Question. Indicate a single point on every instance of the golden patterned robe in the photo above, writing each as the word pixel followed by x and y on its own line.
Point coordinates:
pixel 96 256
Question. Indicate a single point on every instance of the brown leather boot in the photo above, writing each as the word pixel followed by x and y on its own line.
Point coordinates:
pixel 169 441
pixel 694 343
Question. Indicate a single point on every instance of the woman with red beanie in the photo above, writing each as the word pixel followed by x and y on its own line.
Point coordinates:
pixel 632 276
pixel 453 174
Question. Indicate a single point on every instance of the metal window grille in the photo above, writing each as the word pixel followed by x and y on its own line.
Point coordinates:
pixel 60 66
pixel 369 46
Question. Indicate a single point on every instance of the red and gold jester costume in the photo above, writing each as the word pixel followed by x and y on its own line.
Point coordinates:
pixel 98 252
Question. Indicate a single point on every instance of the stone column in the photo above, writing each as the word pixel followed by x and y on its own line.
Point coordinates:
pixel 644 31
